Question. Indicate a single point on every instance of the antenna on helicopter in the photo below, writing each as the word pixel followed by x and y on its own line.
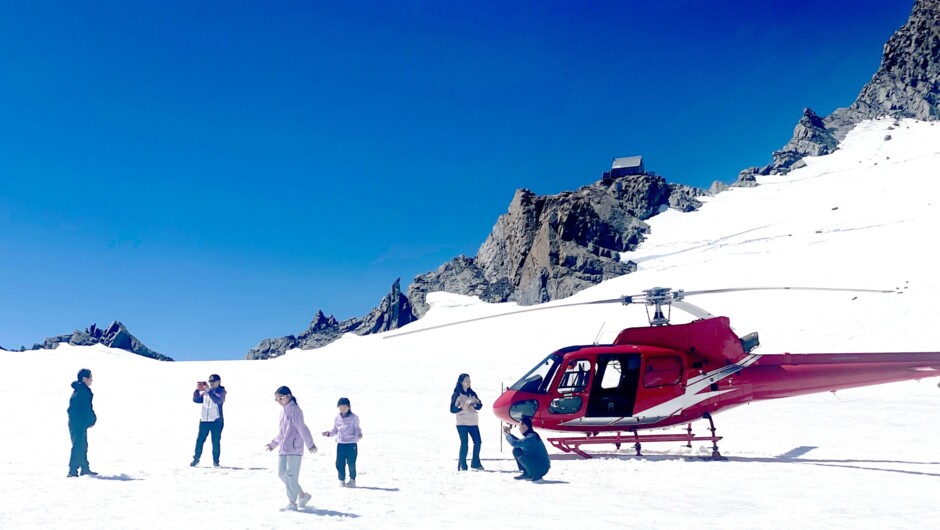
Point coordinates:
pixel 657 298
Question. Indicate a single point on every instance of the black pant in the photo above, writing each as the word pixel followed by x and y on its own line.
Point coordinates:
pixel 205 427
pixel 346 454
pixel 79 457
pixel 527 465
pixel 474 432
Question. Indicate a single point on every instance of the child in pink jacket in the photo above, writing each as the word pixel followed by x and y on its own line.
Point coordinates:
pixel 347 432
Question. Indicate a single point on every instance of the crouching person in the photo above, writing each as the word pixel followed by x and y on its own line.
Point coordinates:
pixel 531 455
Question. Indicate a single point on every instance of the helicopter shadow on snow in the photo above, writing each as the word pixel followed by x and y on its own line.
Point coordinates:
pixel 793 456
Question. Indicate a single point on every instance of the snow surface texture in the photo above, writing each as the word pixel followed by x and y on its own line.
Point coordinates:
pixel 866 458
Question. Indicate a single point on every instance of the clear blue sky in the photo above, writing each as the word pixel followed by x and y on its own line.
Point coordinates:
pixel 212 173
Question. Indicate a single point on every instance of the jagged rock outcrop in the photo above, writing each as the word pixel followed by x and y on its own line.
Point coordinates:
pixel 550 247
pixel 810 138
pixel 747 178
pixel 114 336
pixel 543 248
pixel 717 187
pixel 393 312
pixel 460 275
pixel 685 198
pixel 906 85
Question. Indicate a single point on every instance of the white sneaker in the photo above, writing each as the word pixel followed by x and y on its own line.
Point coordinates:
pixel 342 484
pixel 289 508
pixel 351 483
pixel 303 500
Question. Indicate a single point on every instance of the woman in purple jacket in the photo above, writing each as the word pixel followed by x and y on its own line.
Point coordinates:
pixel 292 436
pixel 347 432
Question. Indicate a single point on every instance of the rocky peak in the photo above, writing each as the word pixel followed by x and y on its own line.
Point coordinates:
pixel 747 178
pixel 906 85
pixel 810 138
pixel 321 322
pixel 547 247
pixel 393 312
pixel 115 335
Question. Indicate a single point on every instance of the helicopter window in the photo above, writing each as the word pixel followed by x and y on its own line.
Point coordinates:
pixel 612 374
pixel 575 378
pixel 565 405
pixel 662 371
pixel 538 378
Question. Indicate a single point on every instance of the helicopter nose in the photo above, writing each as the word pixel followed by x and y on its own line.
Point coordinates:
pixel 502 404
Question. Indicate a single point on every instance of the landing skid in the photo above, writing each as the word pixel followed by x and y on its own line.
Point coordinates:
pixel 573 444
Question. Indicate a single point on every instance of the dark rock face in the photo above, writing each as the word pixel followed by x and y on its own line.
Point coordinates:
pixel 810 138
pixel 747 178
pixel 550 247
pixel 393 312
pixel 460 275
pixel 543 248
pixel 906 85
pixel 685 198
pixel 114 336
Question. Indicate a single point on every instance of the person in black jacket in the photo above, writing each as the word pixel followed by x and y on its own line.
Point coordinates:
pixel 531 455
pixel 465 403
pixel 81 417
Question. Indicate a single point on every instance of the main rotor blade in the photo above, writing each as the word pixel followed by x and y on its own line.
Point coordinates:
pixel 736 289
pixel 692 309
pixel 541 308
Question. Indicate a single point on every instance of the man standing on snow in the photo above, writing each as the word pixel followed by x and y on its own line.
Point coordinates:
pixel 531 455
pixel 210 417
pixel 81 417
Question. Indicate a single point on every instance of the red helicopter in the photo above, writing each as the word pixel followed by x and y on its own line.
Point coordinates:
pixel 665 375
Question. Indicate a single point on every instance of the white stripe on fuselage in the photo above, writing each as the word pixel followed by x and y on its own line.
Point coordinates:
pixel 676 405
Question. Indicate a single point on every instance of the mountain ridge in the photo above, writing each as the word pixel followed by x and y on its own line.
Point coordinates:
pixel 116 335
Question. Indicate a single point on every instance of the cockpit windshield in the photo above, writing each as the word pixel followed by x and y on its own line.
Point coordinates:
pixel 538 378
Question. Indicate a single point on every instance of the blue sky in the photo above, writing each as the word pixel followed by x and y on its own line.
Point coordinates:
pixel 212 173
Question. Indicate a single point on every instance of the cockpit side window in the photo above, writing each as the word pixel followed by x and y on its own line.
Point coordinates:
pixel 576 376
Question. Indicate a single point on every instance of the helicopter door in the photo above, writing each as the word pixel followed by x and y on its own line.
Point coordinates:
pixel 572 388
pixel 613 393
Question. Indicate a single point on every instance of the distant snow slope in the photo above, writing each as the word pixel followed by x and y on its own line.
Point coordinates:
pixel 865 216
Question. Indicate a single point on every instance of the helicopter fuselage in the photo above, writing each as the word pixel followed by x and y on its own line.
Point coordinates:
pixel 654 377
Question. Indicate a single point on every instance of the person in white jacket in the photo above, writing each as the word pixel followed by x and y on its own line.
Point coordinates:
pixel 212 396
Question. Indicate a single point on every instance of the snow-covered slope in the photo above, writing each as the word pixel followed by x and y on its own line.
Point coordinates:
pixel 868 458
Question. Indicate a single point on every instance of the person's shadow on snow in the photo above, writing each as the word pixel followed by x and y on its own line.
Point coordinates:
pixel 121 477
pixel 374 488
pixel 330 513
